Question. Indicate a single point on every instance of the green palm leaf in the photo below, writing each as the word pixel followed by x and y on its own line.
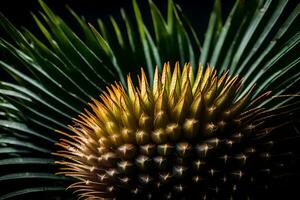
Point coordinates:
pixel 54 77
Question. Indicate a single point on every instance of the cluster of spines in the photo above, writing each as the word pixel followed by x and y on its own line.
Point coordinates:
pixel 186 135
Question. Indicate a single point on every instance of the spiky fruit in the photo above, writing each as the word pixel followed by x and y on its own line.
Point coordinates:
pixel 185 137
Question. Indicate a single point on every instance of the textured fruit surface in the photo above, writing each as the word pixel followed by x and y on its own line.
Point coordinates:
pixel 187 136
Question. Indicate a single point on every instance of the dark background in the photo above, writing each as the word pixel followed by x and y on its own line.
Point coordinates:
pixel 18 11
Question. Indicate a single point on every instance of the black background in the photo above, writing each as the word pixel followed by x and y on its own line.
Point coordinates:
pixel 18 11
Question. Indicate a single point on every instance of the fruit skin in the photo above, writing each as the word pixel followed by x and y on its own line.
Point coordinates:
pixel 186 136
